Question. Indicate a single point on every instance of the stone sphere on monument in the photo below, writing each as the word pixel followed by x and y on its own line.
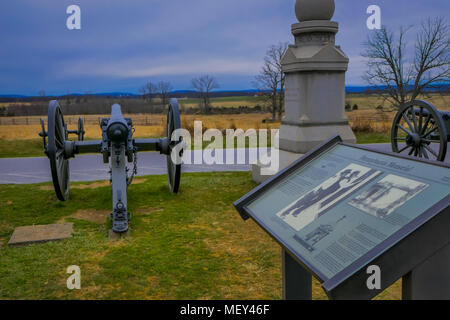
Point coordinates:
pixel 307 10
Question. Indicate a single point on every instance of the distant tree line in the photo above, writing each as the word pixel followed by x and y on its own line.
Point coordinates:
pixel 162 90
pixel 130 106
pixel 105 109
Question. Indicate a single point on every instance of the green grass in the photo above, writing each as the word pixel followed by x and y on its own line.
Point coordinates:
pixel 21 148
pixel 33 147
pixel 192 245
pixel 373 137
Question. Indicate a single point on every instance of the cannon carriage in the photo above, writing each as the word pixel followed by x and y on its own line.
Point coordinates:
pixel 117 146
pixel 420 130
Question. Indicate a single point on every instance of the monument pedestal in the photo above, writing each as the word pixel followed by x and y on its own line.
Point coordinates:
pixel 285 159
pixel 315 86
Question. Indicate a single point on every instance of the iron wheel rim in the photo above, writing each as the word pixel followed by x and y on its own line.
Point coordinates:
pixel 59 165
pixel 173 123
pixel 422 127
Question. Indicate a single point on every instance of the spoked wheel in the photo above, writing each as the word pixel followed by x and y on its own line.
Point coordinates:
pixel 173 169
pixel 59 165
pixel 418 130
pixel 80 130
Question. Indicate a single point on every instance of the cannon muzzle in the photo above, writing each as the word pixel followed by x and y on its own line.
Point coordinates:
pixel 117 129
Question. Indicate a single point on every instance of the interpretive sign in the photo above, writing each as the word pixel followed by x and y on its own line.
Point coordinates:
pixel 341 206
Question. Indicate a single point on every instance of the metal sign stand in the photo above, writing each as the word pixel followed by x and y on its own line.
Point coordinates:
pixel 297 282
pixel 418 251
pixel 430 280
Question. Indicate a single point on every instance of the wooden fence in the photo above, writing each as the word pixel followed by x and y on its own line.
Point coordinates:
pixel 21 121
pixel 151 121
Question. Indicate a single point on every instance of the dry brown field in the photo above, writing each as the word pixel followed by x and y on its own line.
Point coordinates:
pixel 155 127
pixel 441 102
pixel 366 119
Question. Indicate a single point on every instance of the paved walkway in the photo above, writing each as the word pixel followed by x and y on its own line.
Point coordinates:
pixel 91 167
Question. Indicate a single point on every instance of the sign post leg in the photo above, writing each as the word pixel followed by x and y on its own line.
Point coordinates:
pixel 430 280
pixel 297 282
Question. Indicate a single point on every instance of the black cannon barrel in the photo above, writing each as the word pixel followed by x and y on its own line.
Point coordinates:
pixel 445 115
pixel 117 128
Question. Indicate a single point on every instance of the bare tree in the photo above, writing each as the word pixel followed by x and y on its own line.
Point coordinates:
pixel 274 56
pixel 164 89
pixel 400 78
pixel 272 79
pixel 267 82
pixel 150 90
pixel 87 95
pixel 143 92
pixel 204 85
pixel 68 97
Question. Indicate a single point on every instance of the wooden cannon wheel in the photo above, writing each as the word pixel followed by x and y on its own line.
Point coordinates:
pixel 59 164
pixel 174 167
pixel 419 130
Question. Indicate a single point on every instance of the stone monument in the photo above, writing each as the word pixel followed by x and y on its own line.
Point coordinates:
pixel 315 85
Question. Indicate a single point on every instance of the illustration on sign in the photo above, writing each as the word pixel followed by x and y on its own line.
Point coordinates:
pixel 317 234
pixel 381 199
pixel 312 205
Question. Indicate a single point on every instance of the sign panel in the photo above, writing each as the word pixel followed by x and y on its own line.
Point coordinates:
pixel 343 202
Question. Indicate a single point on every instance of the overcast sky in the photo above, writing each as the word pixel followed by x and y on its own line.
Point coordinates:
pixel 123 44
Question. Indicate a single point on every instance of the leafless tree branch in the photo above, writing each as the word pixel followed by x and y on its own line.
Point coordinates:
pixel 271 78
pixel 399 79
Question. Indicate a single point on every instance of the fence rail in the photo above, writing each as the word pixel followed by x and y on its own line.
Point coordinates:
pixel 21 121
pixel 148 121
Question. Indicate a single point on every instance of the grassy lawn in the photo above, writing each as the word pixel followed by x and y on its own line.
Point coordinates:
pixel 33 147
pixel 373 137
pixel 21 148
pixel 193 245
pixel 190 245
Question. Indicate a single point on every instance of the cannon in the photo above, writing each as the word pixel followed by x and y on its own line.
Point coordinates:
pixel 420 130
pixel 117 147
